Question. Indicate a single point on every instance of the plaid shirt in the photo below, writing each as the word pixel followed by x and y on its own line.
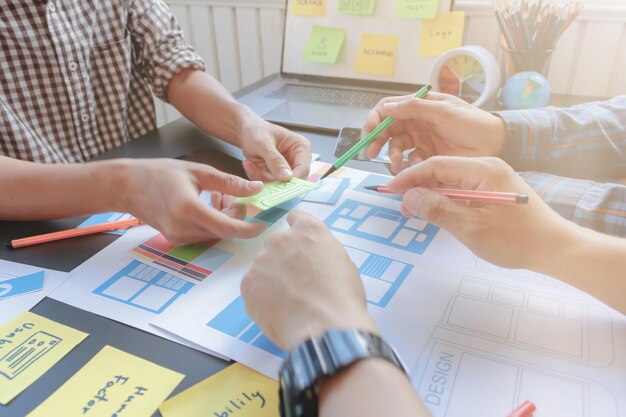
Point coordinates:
pixel 77 77
pixel 575 159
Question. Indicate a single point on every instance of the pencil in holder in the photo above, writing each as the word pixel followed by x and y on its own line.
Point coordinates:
pixel 518 61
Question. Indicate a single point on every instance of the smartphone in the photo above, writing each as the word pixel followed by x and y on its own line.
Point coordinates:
pixel 348 137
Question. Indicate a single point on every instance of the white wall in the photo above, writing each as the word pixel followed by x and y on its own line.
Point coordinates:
pixel 241 43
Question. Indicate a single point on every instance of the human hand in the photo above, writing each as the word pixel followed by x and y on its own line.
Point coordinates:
pixel 512 236
pixel 441 124
pixel 164 194
pixel 303 283
pixel 273 152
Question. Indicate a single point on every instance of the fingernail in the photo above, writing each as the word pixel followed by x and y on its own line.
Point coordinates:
pixel 390 106
pixel 285 173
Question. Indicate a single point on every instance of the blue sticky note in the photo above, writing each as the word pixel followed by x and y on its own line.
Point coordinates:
pixel 21 285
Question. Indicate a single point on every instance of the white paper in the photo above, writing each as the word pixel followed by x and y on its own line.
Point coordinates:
pixel 17 301
pixel 114 285
pixel 478 340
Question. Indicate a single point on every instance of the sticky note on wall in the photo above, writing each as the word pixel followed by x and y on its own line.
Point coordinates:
pixel 443 33
pixel 325 44
pixel 30 345
pixel 377 54
pixel 237 388
pixel 356 6
pixel 308 7
pixel 417 9
pixel 112 383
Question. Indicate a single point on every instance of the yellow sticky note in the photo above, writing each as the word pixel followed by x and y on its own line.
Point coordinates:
pixel 377 54
pixel 308 7
pixel 235 391
pixel 30 345
pixel 112 383
pixel 441 34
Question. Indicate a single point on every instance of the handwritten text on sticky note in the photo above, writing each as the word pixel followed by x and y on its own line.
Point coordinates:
pixel 356 6
pixel 112 383
pixel 417 9
pixel 377 54
pixel 325 44
pixel 308 7
pixel 443 33
pixel 235 391
pixel 276 193
pixel 30 345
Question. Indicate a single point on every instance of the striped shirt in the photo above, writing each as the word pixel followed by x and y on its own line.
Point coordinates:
pixel 575 159
pixel 77 78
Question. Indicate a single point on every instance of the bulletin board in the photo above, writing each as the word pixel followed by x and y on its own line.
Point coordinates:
pixel 394 41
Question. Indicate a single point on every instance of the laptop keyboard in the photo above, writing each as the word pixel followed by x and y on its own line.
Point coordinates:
pixel 327 95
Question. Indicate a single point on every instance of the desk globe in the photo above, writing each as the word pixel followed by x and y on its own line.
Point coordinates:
pixel 525 90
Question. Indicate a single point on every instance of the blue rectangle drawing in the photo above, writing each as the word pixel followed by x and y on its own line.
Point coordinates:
pixel 18 359
pixel 21 285
pixel 143 287
pixel 330 191
pixel 382 225
pixel 234 321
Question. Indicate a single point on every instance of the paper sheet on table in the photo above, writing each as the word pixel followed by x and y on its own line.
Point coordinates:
pixel 477 339
pixel 441 34
pixel 417 9
pixel 22 287
pixel 112 383
pixel 30 345
pixel 308 8
pixel 363 7
pixel 325 44
pixel 377 54
pixel 276 193
pixel 330 191
pixel 236 390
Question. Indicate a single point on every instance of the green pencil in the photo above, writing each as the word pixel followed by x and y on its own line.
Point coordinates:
pixel 384 125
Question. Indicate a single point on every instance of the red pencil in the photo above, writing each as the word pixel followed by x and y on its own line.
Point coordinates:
pixel 525 410
pixel 491 197
pixel 65 234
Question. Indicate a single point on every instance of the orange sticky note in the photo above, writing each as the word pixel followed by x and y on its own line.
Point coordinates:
pixel 377 54
pixel 441 34
pixel 308 7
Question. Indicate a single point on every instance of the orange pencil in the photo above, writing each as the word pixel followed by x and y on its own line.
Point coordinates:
pixel 490 197
pixel 65 234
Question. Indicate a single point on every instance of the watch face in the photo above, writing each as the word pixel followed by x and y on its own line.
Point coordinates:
pixel 463 76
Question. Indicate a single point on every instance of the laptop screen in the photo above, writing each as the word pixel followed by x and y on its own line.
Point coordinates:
pixel 369 40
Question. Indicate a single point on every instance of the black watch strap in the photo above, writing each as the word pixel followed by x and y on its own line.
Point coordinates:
pixel 325 357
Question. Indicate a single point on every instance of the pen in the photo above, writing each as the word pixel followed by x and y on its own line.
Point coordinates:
pixel 65 234
pixel 525 410
pixel 384 125
pixel 493 197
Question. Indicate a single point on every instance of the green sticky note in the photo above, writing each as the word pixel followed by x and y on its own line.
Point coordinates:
pixel 276 193
pixel 417 9
pixel 356 6
pixel 325 44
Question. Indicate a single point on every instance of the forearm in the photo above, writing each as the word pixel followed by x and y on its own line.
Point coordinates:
pixel 204 101
pixel 37 191
pixel 590 261
pixel 371 387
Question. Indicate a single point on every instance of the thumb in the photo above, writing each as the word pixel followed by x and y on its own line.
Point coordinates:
pixel 276 163
pixel 432 206
pixel 214 180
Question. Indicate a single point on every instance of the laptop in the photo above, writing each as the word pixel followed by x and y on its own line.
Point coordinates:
pixel 333 95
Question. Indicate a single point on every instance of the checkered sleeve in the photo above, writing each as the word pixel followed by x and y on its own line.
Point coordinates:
pixel 598 206
pixel 160 49
pixel 587 141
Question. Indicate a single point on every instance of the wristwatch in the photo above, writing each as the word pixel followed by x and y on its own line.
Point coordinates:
pixel 325 357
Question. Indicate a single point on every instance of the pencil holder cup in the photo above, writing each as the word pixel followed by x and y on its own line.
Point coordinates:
pixel 518 61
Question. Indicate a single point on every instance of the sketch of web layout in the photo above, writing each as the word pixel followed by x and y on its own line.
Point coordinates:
pixel 509 336
pixel 114 285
